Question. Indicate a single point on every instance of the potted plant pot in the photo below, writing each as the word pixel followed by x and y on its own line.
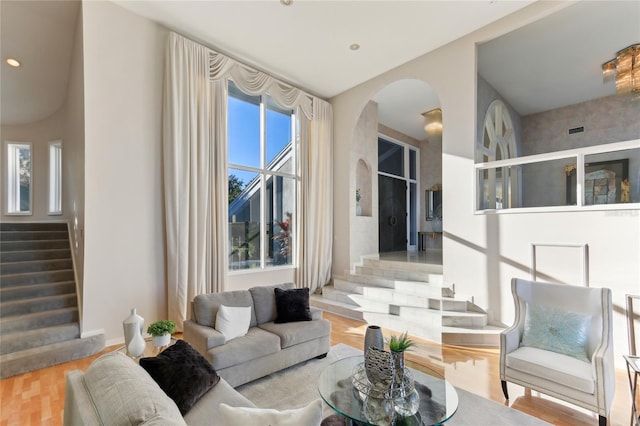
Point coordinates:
pixel 161 332
pixel 160 341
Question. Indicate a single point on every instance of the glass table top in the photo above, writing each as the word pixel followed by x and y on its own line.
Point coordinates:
pixel 438 398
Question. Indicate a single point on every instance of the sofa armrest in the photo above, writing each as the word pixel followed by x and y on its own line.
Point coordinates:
pixel 316 313
pixel 79 409
pixel 202 337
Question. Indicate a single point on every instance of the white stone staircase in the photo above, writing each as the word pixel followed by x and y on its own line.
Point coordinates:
pixel 407 296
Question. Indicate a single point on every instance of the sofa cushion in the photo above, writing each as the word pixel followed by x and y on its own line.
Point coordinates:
pixel 292 305
pixel 292 333
pixel 233 321
pixel 124 394
pixel 309 415
pixel 556 330
pixel 205 411
pixel 264 301
pixel 255 344
pixel 562 369
pixel 205 306
pixel 182 373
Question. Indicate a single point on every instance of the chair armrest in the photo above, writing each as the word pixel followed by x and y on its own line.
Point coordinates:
pixel 510 339
pixel 316 313
pixel 202 337
pixel 602 359
pixel 509 342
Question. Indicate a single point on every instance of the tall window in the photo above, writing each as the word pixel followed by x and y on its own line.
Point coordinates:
pixel 19 179
pixel 262 181
pixel 55 177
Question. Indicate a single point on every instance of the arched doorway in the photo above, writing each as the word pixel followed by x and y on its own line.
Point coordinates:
pixel 405 159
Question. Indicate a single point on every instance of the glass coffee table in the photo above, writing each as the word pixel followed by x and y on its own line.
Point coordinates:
pixel 438 398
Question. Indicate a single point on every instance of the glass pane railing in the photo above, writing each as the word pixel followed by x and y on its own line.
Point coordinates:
pixel 585 177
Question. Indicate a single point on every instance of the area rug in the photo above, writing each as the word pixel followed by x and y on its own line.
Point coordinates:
pixel 296 386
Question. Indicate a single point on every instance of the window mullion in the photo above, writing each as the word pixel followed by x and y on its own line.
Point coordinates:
pixel 263 185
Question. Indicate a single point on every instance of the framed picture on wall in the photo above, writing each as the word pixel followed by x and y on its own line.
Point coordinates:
pixel 603 182
pixel 433 200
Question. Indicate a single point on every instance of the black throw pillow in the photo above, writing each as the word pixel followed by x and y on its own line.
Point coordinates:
pixel 292 305
pixel 182 373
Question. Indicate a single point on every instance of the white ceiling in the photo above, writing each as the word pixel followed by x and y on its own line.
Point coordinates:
pixel 40 35
pixel 307 44
pixel 557 61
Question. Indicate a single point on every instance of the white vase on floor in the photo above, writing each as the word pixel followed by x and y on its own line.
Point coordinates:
pixel 130 324
pixel 137 345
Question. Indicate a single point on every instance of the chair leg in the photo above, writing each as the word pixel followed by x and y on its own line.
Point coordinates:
pixel 505 391
pixel 602 421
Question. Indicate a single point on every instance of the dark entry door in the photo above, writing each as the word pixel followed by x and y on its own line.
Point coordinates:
pixel 392 203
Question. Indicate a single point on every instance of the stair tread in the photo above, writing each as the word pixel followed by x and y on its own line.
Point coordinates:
pixel 38 331
pixel 33 286
pixel 40 349
pixel 38 314
pixel 34 273
pixel 487 329
pixel 370 276
pixel 36 261
pixel 36 299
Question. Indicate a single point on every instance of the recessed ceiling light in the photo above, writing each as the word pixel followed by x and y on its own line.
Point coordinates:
pixel 354 46
pixel 286 2
pixel 13 62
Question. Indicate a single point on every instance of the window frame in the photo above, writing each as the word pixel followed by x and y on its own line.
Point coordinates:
pixel 13 179
pixel 55 182
pixel 264 174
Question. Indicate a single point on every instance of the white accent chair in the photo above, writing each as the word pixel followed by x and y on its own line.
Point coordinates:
pixel 588 384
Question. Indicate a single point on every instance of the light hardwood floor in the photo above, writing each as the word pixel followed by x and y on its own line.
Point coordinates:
pixel 37 398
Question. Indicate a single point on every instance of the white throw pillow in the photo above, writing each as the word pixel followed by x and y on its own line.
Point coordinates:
pixel 310 415
pixel 233 321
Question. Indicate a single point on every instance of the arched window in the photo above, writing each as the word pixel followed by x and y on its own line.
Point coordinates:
pixel 498 186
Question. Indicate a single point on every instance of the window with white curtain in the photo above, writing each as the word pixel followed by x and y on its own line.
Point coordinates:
pixel 55 178
pixel 19 178
pixel 262 181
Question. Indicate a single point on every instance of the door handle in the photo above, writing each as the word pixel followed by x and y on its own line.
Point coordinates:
pixel 393 220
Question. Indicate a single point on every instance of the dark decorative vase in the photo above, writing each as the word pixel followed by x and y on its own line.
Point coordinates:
pixel 373 338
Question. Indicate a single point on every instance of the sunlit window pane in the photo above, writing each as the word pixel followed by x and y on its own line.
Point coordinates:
pixel 55 177
pixel 278 136
pixel 243 128
pixel 244 219
pixel 19 179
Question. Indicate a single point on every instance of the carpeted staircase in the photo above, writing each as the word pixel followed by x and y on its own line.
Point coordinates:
pixel 39 324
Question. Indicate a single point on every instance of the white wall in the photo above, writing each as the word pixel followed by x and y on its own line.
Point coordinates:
pixel 73 157
pixel 124 238
pixel 483 252
pixel 364 146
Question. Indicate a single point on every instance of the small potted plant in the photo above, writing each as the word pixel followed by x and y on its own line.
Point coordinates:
pixel 400 343
pixel 161 332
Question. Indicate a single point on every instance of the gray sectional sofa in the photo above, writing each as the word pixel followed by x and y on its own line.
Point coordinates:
pixel 267 347
pixel 115 390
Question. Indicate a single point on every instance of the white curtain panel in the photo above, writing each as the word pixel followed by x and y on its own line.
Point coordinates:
pixel 195 161
pixel 194 142
pixel 316 198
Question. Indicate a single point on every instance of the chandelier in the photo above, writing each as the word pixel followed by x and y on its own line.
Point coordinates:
pixel 625 69
pixel 433 121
